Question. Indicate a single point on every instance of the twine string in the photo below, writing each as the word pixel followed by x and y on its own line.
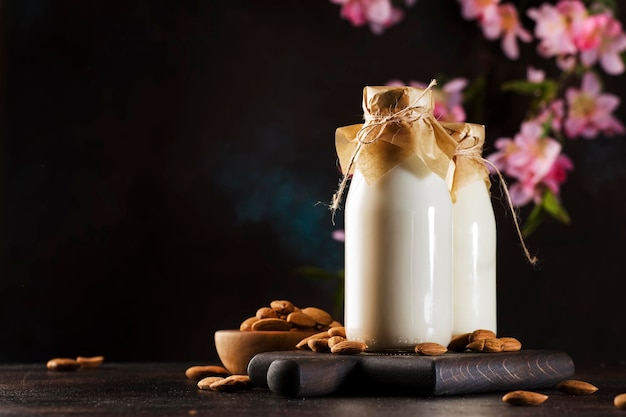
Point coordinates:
pixel 475 152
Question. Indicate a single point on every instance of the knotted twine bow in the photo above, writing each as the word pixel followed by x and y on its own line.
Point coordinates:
pixel 469 166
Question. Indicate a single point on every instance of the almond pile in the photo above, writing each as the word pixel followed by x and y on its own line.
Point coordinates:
pixel 482 340
pixel 283 315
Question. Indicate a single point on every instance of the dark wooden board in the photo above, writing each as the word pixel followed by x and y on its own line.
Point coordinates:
pixel 309 374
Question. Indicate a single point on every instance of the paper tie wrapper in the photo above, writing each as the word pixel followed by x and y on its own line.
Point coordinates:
pixel 399 122
pixel 467 165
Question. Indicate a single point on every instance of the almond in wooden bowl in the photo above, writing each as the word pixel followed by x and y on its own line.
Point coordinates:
pixel 236 348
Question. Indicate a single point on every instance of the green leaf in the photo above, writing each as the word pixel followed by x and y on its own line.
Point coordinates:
pixel 544 90
pixel 553 207
pixel 535 218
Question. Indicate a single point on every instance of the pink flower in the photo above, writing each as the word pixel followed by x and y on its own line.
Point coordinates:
pixel 554 26
pixel 601 38
pixel 589 111
pixel 551 115
pixel 339 235
pixel 505 24
pixel 558 173
pixel 535 75
pixel 529 157
pixel 478 9
pixel 378 14
pixel 448 98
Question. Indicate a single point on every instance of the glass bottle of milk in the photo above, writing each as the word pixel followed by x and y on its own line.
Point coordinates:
pixel 398 228
pixel 474 233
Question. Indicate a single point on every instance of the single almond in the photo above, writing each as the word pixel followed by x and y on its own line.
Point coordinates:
pixel 333 340
pixel 486 345
pixel 300 320
pixel 205 383
pixel 63 364
pixel 481 334
pixel 320 316
pixel 318 345
pixel 459 342
pixel 90 361
pixel 337 331
pixel 246 325
pixel 282 306
pixel 198 372
pixel 335 323
pixel 521 397
pixel 271 325
pixel 430 349
pixel 620 401
pixel 266 313
pixel 510 344
pixel 303 343
pixel 232 383
pixel 348 347
pixel 576 387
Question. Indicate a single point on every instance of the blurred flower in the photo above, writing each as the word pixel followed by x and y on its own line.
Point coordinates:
pixel 535 75
pixel 590 111
pixel 505 24
pixel 478 9
pixel 553 27
pixel 378 14
pixel 339 235
pixel 601 38
pixel 530 157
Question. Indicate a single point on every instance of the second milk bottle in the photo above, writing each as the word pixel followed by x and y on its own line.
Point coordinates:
pixel 474 233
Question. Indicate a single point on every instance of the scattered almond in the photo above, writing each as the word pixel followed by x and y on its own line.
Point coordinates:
pixel 232 383
pixel 510 344
pixel 620 401
pixel 521 397
pixel 246 325
pixel 318 345
pixel 481 334
pixel 271 325
pixel 430 349
pixel 333 340
pixel 303 344
pixel 205 383
pixel 576 387
pixel 282 306
pixel 459 342
pixel 198 372
pixel 348 347
pixel 266 313
pixel 90 361
pixel 301 320
pixel 320 316
pixel 337 331
pixel 486 345
pixel 63 364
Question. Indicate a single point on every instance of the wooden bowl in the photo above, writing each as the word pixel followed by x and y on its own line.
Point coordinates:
pixel 235 348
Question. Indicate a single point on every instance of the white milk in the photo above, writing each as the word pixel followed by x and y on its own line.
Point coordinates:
pixel 474 260
pixel 398 259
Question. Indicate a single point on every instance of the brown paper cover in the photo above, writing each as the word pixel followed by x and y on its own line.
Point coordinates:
pixel 399 122
pixel 467 165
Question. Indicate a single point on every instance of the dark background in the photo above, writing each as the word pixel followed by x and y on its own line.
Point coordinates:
pixel 163 161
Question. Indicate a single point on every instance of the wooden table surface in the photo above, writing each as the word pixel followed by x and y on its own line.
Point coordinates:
pixel 161 389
